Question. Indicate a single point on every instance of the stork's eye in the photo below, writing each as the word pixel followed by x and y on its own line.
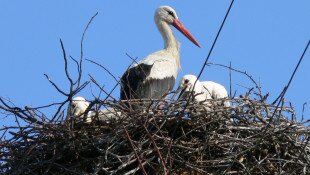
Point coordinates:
pixel 73 105
pixel 171 13
pixel 186 81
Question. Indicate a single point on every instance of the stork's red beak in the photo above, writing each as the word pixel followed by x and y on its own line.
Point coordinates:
pixel 177 24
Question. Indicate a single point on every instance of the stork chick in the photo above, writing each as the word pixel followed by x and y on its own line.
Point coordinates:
pixel 79 106
pixel 203 90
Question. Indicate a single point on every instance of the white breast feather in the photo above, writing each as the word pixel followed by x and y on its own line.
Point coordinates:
pixel 164 65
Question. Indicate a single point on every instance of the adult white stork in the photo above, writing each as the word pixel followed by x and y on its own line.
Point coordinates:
pixel 155 75
pixel 79 106
pixel 203 90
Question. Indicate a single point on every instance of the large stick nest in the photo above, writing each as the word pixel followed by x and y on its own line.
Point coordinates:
pixel 164 137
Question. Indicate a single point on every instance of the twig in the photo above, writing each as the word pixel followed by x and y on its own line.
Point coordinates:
pixel 66 63
pixel 136 154
pixel 81 47
pixel 109 72
pixel 55 86
pixel 242 72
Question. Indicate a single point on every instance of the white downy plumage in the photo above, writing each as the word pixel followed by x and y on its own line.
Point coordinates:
pixel 79 106
pixel 203 90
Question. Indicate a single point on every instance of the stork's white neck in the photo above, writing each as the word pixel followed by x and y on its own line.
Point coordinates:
pixel 171 43
pixel 167 34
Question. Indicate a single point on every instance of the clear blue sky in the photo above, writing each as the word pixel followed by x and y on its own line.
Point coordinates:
pixel 263 37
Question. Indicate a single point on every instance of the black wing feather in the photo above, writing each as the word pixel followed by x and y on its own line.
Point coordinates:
pixel 131 79
pixel 135 86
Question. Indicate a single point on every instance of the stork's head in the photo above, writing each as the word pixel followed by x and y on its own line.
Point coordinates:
pixel 168 15
pixel 186 86
pixel 78 106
